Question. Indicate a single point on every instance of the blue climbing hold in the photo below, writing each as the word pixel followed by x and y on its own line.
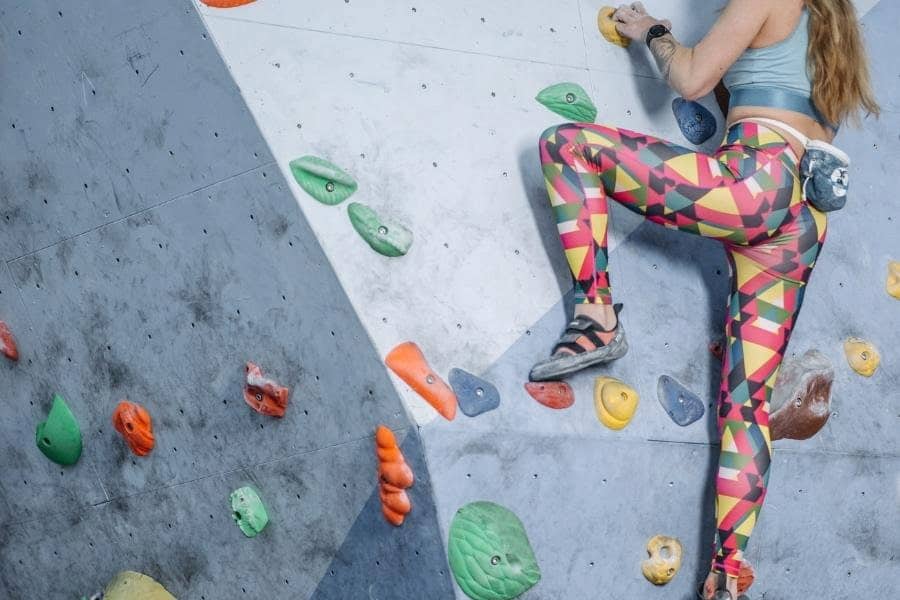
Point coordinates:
pixel 695 121
pixel 474 394
pixel 683 405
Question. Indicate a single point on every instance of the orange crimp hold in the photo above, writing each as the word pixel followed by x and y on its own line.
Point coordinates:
pixel 408 362
pixel 394 476
pixel 8 346
pixel 133 422
pixel 226 3
pixel 264 395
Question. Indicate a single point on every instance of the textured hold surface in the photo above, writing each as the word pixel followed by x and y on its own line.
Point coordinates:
pixel 394 477
pixel 226 3
pixel 695 121
pixel 248 511
pixel 615 402
pixel 552 394
pixel 264 395
pixel 608 27
pixel 133 421
pixel 664 559
pixel 59 437
pixel 680 403
pixel 489 552
pixel 474 394
pixel 569 100
pixel 384 236
pixel 8 346
pixel 862 356
pixel 408 362
pixel 800 403
pixel 322 180
pixel 129 585
pixel 892 284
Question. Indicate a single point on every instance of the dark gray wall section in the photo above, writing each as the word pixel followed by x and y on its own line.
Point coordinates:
pixel 156 284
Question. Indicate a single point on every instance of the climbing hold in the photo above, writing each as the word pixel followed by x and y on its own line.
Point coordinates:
pixel 893 279
pixel 133 422
pixel 862 356
pixel 264 395
pixel 322 180
pixel 800 401
pixel 129 585
pixel 226 3
pixel 385 237
pixel 489 553
pixel 695 121
pixel 59 437
pixel 8 346
pixel 475 395
pixel 664 559
pixel 552 394
pixel 394 477
pixel 681 404
pixel 248 511
pixel 615 402
pixel 717 349
pixel 569 100
pixel 408 362
pixel 608 27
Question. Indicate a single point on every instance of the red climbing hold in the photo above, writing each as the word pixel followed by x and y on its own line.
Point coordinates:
pixel 552 394
pixel 408 362
pixel 133 422
pixel 226 3
pixel 717 349
pixel 8 346
pixel 394 476
pixel 264 395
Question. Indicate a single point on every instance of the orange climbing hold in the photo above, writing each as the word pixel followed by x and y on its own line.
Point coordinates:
pixel 408 362
pixel 8 346
pixel 394 476
pixel 226 3
pixel 133 422
pixel 264 395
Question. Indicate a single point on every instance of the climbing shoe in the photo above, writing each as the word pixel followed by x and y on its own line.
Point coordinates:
pixel 584 343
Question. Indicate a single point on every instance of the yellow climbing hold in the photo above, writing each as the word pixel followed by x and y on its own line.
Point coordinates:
pixel 893 279
pixel 608 27
pixel 664 559
pixel 862 356
pixel 129 585
pixel 615 402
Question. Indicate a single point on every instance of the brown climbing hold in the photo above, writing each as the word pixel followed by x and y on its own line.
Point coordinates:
pixel 8 346
pixel 552 394
pixel 133 422
pixel 394 476
pixel 800 400
pixel 264 395
pixel 408 362
pixel 863 356
pixel 226 3
pixel 893 279
pixel 717 349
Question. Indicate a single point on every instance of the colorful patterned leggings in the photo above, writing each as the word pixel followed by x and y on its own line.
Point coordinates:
pixel 747 195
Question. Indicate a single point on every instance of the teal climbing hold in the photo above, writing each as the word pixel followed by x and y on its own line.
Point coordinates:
pixel 384 236
pixel 569 100
pixel 322 180
pixel 489 553
pixel 59 437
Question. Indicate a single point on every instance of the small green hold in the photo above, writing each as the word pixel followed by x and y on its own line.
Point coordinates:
pixel 385 237
pixel 59 437
pixel 248 511
pixel 569 100
pixel 489 553
pixel 322 180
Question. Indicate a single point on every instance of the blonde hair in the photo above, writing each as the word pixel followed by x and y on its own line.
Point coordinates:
pixel 838 63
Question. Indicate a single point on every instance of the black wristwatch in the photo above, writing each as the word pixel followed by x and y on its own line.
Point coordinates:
pixel 657 31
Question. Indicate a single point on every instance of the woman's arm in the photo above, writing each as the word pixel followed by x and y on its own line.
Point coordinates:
pixel 694 72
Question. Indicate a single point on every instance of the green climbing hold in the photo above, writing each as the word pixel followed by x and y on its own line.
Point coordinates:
pixel 59 437
pixel 385 237
pixel 569 100
pixel 489 553
pixel 248 511
pixel 322 180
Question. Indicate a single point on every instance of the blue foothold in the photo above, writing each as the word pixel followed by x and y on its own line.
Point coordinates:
pixel 475 395
pixel 683 405
pixel 695 121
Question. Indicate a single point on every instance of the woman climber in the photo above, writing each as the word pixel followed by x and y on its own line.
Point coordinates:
pixel 795 70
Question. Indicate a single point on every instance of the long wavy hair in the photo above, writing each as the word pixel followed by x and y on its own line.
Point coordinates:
pixel 838 62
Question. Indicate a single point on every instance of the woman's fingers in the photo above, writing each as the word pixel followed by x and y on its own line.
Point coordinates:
pixel 639 8
pixel 625 14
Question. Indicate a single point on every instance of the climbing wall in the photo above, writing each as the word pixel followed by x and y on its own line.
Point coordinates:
pixel 154 240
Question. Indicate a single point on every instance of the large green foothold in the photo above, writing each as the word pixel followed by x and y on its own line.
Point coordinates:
pixel 248 511
pixel 322 180
pixel 489 553
pixel 59 437
pixel 569 100
pixel 129 585
pixel 385 237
